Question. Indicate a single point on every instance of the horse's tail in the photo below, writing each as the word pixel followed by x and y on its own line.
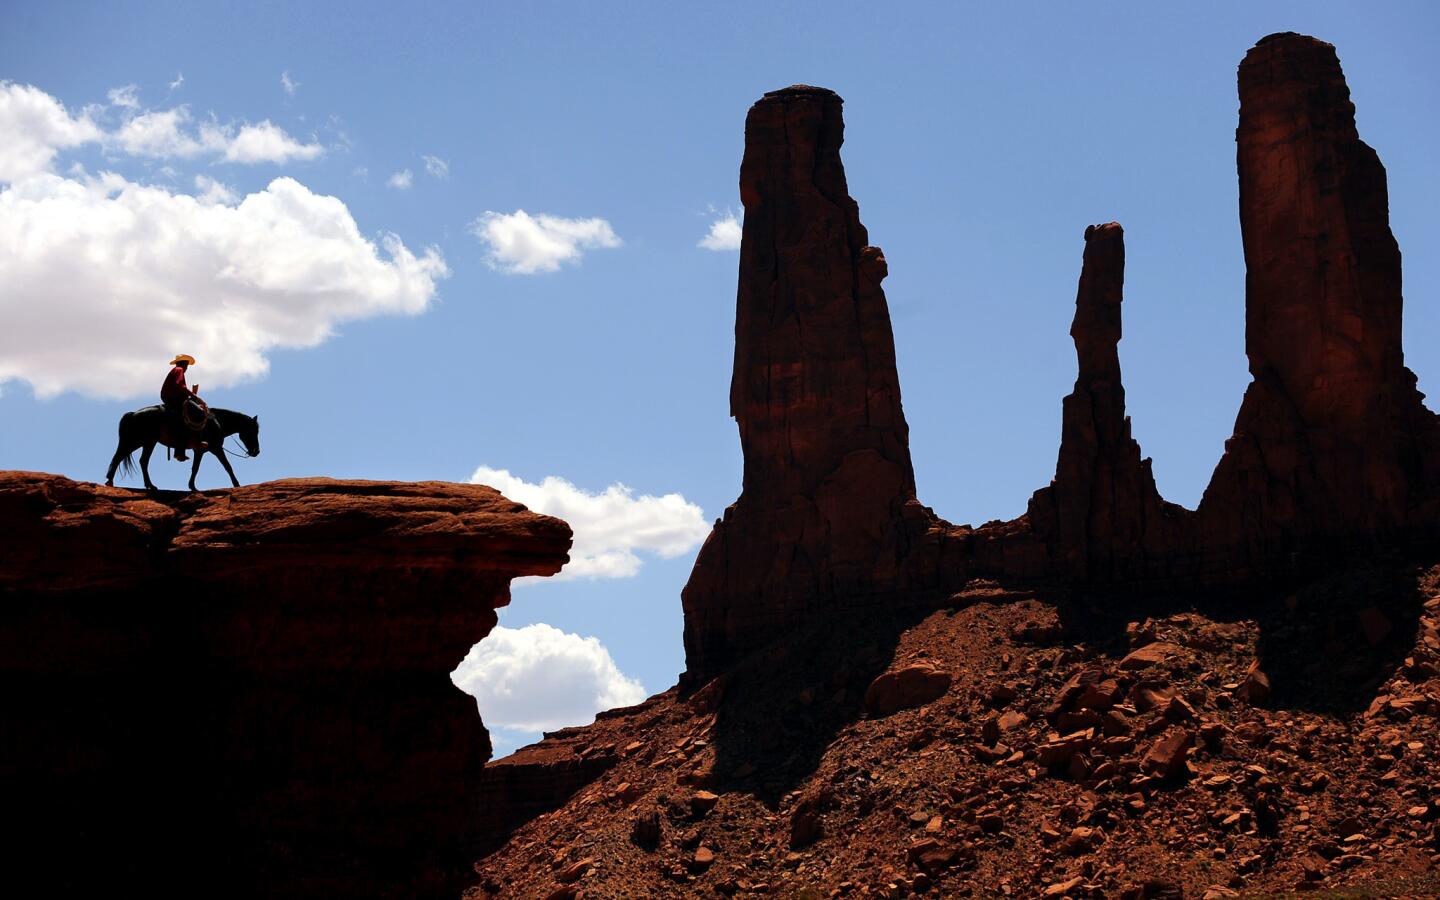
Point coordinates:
pixel 127 464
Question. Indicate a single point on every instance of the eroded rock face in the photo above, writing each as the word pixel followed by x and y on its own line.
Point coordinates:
pixel 255 680
pixel 1102 516
pixel 1332 438
pixel 815 393
pixel 1333 451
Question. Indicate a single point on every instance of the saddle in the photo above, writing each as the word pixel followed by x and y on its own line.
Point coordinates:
pixel 194 413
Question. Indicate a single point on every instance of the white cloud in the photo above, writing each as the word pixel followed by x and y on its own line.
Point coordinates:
pixel 436 167
pixel 266 142
pixel 103 279
pixel 401 180
pixel 35 126
pixel 124 96
pixel 361 173
pixel 179 80
pixel 288 84
pixel 520 244
pixel 724 233
pixel 212 191
pixel 610 526
pixel 539 678
pixel 164 134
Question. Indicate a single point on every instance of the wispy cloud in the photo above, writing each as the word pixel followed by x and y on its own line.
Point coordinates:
pixel 521 244
pixel 401 180
pixel 124 96
pixel 179 80
pixel 436 167
pixel 289 84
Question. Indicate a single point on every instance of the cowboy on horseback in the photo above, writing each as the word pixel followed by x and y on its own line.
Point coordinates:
pixel 184 421
pixel 174 394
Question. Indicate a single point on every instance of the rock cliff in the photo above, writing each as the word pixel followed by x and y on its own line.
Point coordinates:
pixel 1332 444
pixel 821 514
pixel 251 685
pixel 1333 453
pixel 1102 516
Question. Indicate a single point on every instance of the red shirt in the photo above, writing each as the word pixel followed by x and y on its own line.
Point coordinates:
pixel 174 389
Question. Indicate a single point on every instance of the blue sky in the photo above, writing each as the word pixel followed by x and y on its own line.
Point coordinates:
pixel 981 140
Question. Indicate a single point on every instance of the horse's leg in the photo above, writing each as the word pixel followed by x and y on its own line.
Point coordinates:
pixel 115 463
pixel 195 468
pixel 219 452
pixel 145 465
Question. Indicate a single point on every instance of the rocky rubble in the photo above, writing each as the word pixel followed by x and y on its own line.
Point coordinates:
pixel 1126 764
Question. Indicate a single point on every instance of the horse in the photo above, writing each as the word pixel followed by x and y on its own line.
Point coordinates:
pixel 154 425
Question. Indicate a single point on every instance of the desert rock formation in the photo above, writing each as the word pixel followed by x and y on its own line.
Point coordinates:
pixel 251 685
pixel 1332 441
pixel 820 518
pixel 1102 516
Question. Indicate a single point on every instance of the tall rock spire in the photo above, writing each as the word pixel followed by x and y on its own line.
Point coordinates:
pixel 1332 436
pixel 814 392
pixel 1102 516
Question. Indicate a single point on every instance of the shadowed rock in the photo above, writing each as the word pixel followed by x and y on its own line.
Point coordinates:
pixel 814 392
pixel 1102 515
pixel 257 680
pixel 1332 439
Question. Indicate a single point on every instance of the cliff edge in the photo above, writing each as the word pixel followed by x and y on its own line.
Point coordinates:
pixel 252 682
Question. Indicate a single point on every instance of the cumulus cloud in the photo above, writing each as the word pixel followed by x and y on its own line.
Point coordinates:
pixel 437 167
pixel 265 142
pixel 724 233
pixel 36 126
pixel 103 279
pixel 521 244
pixel 401 180
pixel 212 191
pixel 159 134
pixel 609 526
pixel 165 134
pixel 539 678
pixel 288 84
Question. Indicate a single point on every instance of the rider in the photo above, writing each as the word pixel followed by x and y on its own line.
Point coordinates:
pixel 174 393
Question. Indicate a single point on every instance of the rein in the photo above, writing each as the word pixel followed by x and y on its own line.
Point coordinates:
pixel 242 452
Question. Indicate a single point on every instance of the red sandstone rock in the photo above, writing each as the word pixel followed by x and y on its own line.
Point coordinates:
pixel 821 517
pixel 1332 439
pixel 1150 655
pixel 1102 514
pixel 915 685
pixel 1256 686
pixel 1167 756
pixel 257 679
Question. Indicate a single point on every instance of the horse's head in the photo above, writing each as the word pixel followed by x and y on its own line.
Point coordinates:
pixel 250 434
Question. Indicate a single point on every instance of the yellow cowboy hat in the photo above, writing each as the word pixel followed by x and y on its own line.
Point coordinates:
pixel 186 358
